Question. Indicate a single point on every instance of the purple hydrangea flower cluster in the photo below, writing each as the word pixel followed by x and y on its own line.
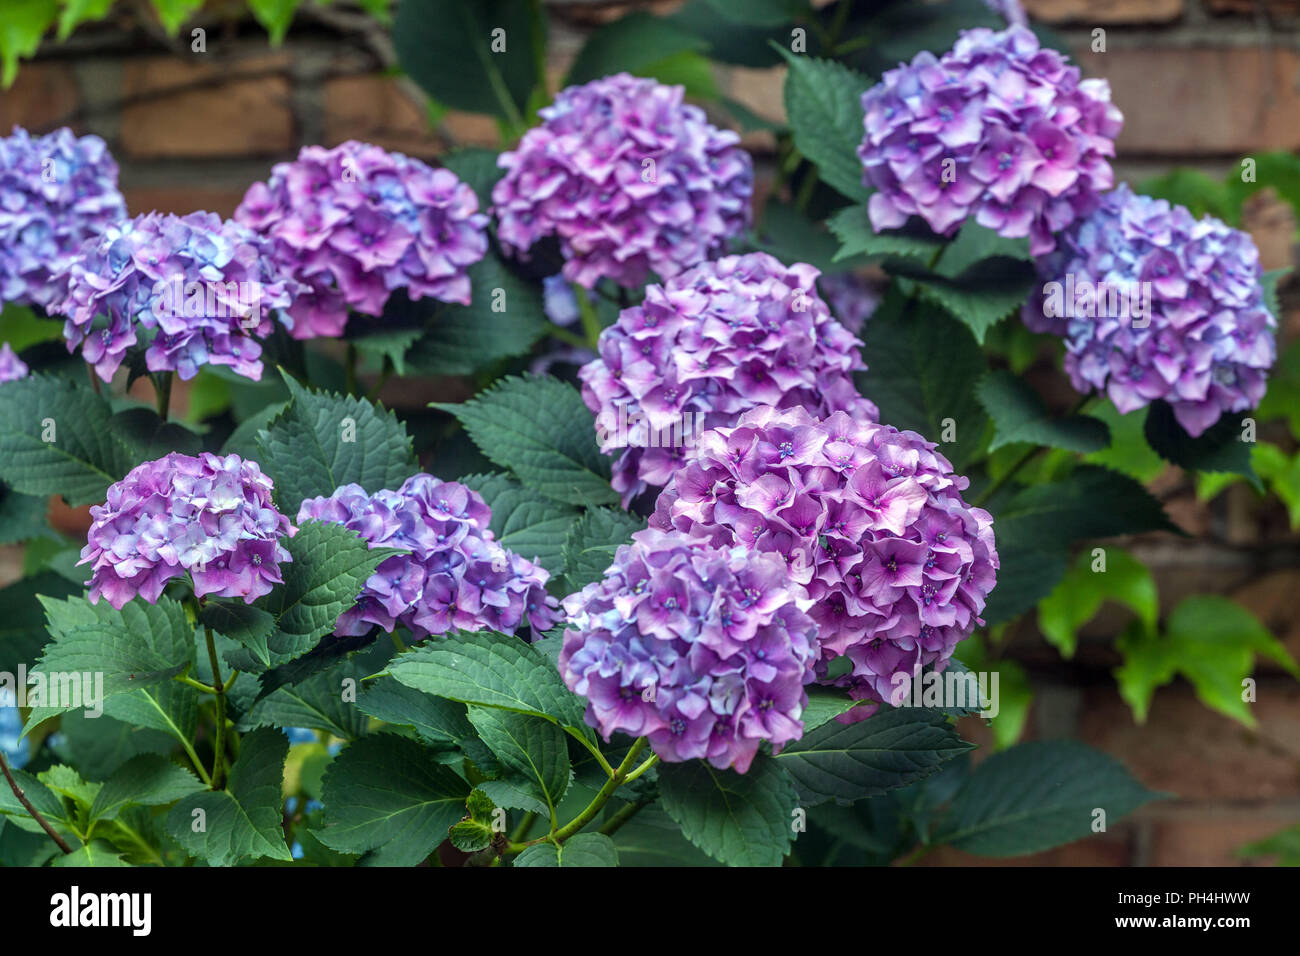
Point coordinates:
pixel 996 127
pixel 56 191
pixel 12 367
pixel 356 222
pixel 703 650
pixel 201 290
pixel 457 575
pixel 869 518
pixel 853 298
pixel 715 341
pixel 210 516
pixel 629 179
pixel 1155 304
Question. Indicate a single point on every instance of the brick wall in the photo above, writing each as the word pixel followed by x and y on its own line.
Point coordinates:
pixel 1201 82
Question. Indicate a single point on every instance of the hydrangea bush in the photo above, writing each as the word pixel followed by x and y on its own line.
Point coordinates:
pixel 739 497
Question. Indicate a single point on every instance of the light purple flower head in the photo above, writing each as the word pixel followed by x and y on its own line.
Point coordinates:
pixel 629 179
pixel 196 289
pixel 707 345
pixel 1155 304
pixel 356 222
pixel 868 518
pixel 210 516
pixel 853 298
pixel 996 128
pixel 56 191
pixel 12 367
pixel 456 576
pixel 704 650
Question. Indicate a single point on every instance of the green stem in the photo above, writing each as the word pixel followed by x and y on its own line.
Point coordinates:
pixel 615 823
pixel 590 321
pixel 162 384
pixel 650 762
pixel 27 805
pixel 525 824
pixel 617 779
pixel 384 375
pixel 1024 459
pixel 219 689
pixel 567 337
pixel 191 682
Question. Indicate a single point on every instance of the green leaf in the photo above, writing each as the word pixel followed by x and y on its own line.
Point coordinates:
pixel 81 459
pixel 1219 448
pixel 140 645
pixel 492 670
pixel 589 549
pixel 983 295
pixel 1020 416
pixel 1282 400
pixel 387 792
pixel 22 627
pixel 532 527
pixel 148 780
pixel 1089 502
pixel 147 437
pixel 21 29
pixel 174 13
pixel 97 853
pixel 1037 796
pixel 581 849
pixel 438 721
pixel 1011 695
pixel 859 238
pixel 323 701
pixel 824 704
pixel 1212 642
pixel 629 44
pixel 540 429
pixel 76 12
pixel 739 819
pixel 47 803
pixel 1082 591
pixel 534 748
pixel 887 750
pixel 244 820
pixel 503 321
pixel 275 16
pixel 1285 845
pixel 760 13
pixel 922 368
pixel 1200 192
pixel 823 103
pixel 22 516
pixel 387 344
pixel 322 441
pixel 329 568
pixel 1128 452
pixel 974 245
pixel 446 47
pixel 168 707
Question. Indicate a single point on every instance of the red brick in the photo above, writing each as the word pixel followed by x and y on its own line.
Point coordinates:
pixel 1271 598
pixel 375 109
pixel 1102 849
pixel 1195 753
pixel 183 199
pixel 1228 100
pixel 1104 11
pixel 1283 8
pixel 205 107
pixel 42 98
pixel 1212 838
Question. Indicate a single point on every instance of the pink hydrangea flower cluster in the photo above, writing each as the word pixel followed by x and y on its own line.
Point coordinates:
pixel 356 222
pixel 210 517
pixel 456 574
pixel 703 650
pixel 629 178
pixel 707 345
pixel 868 518
pixel 997 128
pixel 197 289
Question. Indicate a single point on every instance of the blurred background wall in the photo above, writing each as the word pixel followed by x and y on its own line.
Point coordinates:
pixel 1201 83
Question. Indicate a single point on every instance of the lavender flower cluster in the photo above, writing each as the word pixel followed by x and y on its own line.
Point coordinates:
pixel 868 518
pixel 456 576
pixel 628 178
pixel 707 345
pixel 210 516
pixel 198 289
pixel 1159 305
pixel 997 128
pixel 12 367
pixel 56 191
pixel 354 223
pixel 704 650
